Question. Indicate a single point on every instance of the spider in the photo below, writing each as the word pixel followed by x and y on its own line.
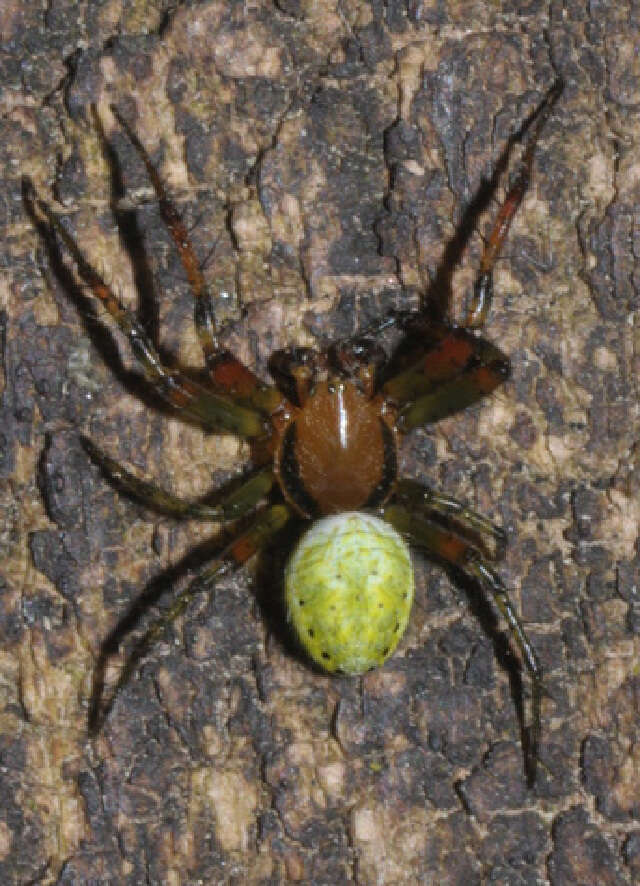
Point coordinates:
pixel 324 443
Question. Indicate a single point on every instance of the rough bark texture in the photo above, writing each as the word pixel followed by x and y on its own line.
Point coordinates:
pixel 322 153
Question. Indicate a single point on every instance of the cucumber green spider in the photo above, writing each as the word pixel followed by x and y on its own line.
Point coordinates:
pixel 324 442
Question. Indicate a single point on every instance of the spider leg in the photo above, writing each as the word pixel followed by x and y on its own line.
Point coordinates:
pixel 266 525
pixel 454 551
pixel 232 505
pixel 213 410
pixel 445 369
pixel 483 288
pixel 453 515
pixel 227 373
pixel 454 369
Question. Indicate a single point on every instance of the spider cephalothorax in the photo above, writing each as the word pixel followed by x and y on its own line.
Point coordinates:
pixel 337 450
pixel 325 441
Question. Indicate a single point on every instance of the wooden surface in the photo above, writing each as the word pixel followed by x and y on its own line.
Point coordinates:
pixel 322 154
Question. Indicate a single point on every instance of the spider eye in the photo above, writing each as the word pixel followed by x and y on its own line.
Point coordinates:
pixel 349 590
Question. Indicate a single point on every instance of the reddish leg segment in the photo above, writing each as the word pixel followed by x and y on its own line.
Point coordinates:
pixel 454 550
pixel 227 373
pixel 452 515
pixel 213 410
pixel 264 528
pixel 455 370
pixel 483 288
pixel 451 368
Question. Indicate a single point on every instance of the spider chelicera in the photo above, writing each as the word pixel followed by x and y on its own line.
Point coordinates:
pixel 324 448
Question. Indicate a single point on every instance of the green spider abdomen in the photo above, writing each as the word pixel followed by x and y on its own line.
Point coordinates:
pixel 349 590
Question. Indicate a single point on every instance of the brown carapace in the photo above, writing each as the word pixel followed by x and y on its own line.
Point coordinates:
pixel 325 437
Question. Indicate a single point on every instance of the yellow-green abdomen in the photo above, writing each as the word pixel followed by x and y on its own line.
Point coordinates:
pixel 349 590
